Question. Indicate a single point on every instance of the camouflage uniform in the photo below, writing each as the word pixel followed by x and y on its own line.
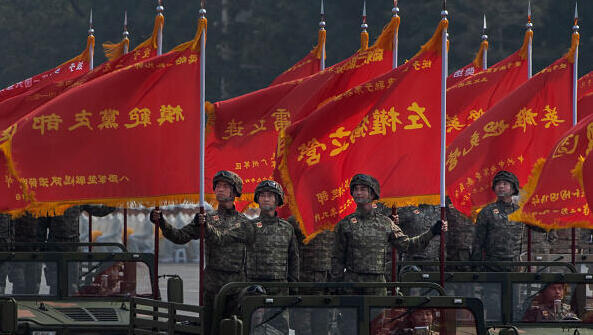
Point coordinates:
pixel 315 265
pixel 459 237
pixel 6 239
pixel 539 312
pixel 414 221
pixel 26 277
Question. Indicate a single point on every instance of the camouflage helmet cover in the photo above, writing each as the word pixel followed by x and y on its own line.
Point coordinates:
pixel 509 177
pixel 366 180
pixel 230 177
pixel 271 186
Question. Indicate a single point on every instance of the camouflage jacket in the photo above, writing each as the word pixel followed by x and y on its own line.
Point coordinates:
pixel 496 236
pixel 316 255
pixel 272 248
pixel 539 312
pixel 414 221
pixel 66 227
pixel 29 229
pixel 461 231
pixel 6 232
pixel 220 255
pixel 364 240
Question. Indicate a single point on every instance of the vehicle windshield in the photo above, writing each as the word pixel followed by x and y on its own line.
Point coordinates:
pixel 108 278
pixel 28 278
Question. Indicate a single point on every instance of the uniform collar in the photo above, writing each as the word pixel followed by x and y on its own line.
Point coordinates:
pixel 364 214
pixel 227 212
pixel 269 219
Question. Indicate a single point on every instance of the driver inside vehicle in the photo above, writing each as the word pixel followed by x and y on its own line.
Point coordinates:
pixel 419 322
pixel 549 305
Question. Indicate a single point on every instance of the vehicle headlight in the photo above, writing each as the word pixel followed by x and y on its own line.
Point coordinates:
pixel 44 332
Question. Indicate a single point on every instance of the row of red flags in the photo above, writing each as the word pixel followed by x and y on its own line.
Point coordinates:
pixel 127 132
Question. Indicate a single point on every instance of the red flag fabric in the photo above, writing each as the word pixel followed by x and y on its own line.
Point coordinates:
pixel 470 69
pixel 469 99
pixel 585 86
pixel 307 66
pixel 18 106
pixel 511 136
pixel 127 136
pixel 246 128
pixel 554 195
pixel 383 127
pixel 73 68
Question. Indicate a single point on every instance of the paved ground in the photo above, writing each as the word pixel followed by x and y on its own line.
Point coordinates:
pixel 189 272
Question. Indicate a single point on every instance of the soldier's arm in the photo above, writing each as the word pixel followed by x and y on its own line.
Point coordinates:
pixel 480 237
pixel 293 259
pixel 404 243
pixel 339 255
pixel 187 233
pixel 98 210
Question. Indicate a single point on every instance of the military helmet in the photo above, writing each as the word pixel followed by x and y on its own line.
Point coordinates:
pixel 271 186
pixel 509 177
pixel 230 177
pixel 366 180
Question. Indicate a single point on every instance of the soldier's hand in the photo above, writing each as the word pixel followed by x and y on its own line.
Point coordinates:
pixel 200 219
pixel 395 219
pixel 439 227
pixel 156 216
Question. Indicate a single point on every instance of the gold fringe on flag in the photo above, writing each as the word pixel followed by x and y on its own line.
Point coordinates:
pixel 115 50
pixel 159 22
pixel 194 44
pixel 574 44
pixel 320 43
pixel 385 40
pixel 434 44
pixel 528 37
pixel 364 41
pixel 479 60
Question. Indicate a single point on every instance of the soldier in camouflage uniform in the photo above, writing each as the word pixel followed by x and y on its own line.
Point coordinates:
pixel 460 237
pixel 6 239
pixel 414 221
pixel 225 262
pixel 65 229
pixel 315 265
pixel 26 277
pixel 548 305
pixel 364 238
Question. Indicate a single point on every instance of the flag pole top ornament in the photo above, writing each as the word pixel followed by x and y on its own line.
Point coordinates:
pixel 126 33
pixel 364 24
pixel 91 30
pixel 322 20
pixel 575 28
pixel 160 8
pixel 395 10
pixel 529 25
pixel 444 12
pixel 484 30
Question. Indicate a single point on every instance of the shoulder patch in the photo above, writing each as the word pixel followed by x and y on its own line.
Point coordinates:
pixel 353 220
pixel 259 224
pixel 216 218
pixel 495 211
pixel 416 211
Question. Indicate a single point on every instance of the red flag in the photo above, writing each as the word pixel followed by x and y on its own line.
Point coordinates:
pixel 246 128
pixel 73 68
pixel 470 98
pixel 111 140
pixel 511 136
pixel 19 106
pixel 470 69
pixel 555 197
pixel 585 86
pixel 321 153
pixel 307 66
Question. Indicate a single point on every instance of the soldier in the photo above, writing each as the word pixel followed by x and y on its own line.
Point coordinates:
pixel 497 238
pixel 224 261
pixel 460 237
pixel 419 321
pixel 315 265
pixel 6 238
pixel 65 229
pixel 415 220
pixel 26 276
pixel 272 251
pixel 364 238
pixel 548 305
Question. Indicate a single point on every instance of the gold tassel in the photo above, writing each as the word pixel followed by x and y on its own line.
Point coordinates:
pixel 84 56
pixel 364 41
pixel 115 50
pixel 152 41
pixel 434 44
pixel 385 40
pixel 194 44
pixel 320 43
pixel 479 60
pixel 574 44
pixel 528 37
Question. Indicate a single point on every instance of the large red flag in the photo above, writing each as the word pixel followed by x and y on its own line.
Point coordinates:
pixel 554 195
pixel 65 71
pixel 16 107
pixel 246 128
pixel 511 136
pixel 475 67
pixel 469 99
pixel 383 127
pixel 127 136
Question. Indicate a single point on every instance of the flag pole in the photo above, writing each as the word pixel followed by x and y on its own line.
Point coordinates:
pixel 92 45
pixel 529 27
pixel 126 36
pixel 202 145
pixel 364 35
pixel 575 74
pixel 444 73
pixel 395 12
pixel 485 40
pixel 159 51
pixel 322 29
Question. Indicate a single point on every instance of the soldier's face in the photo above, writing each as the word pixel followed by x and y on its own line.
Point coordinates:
pixel 224 191
pixel 361 194
pixel 503 189
pixel 422 317
pixel 267 201
pixel 554 292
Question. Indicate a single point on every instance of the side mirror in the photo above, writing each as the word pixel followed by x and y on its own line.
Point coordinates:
pixel 175 289
pixel 231 326
pixel 8 316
